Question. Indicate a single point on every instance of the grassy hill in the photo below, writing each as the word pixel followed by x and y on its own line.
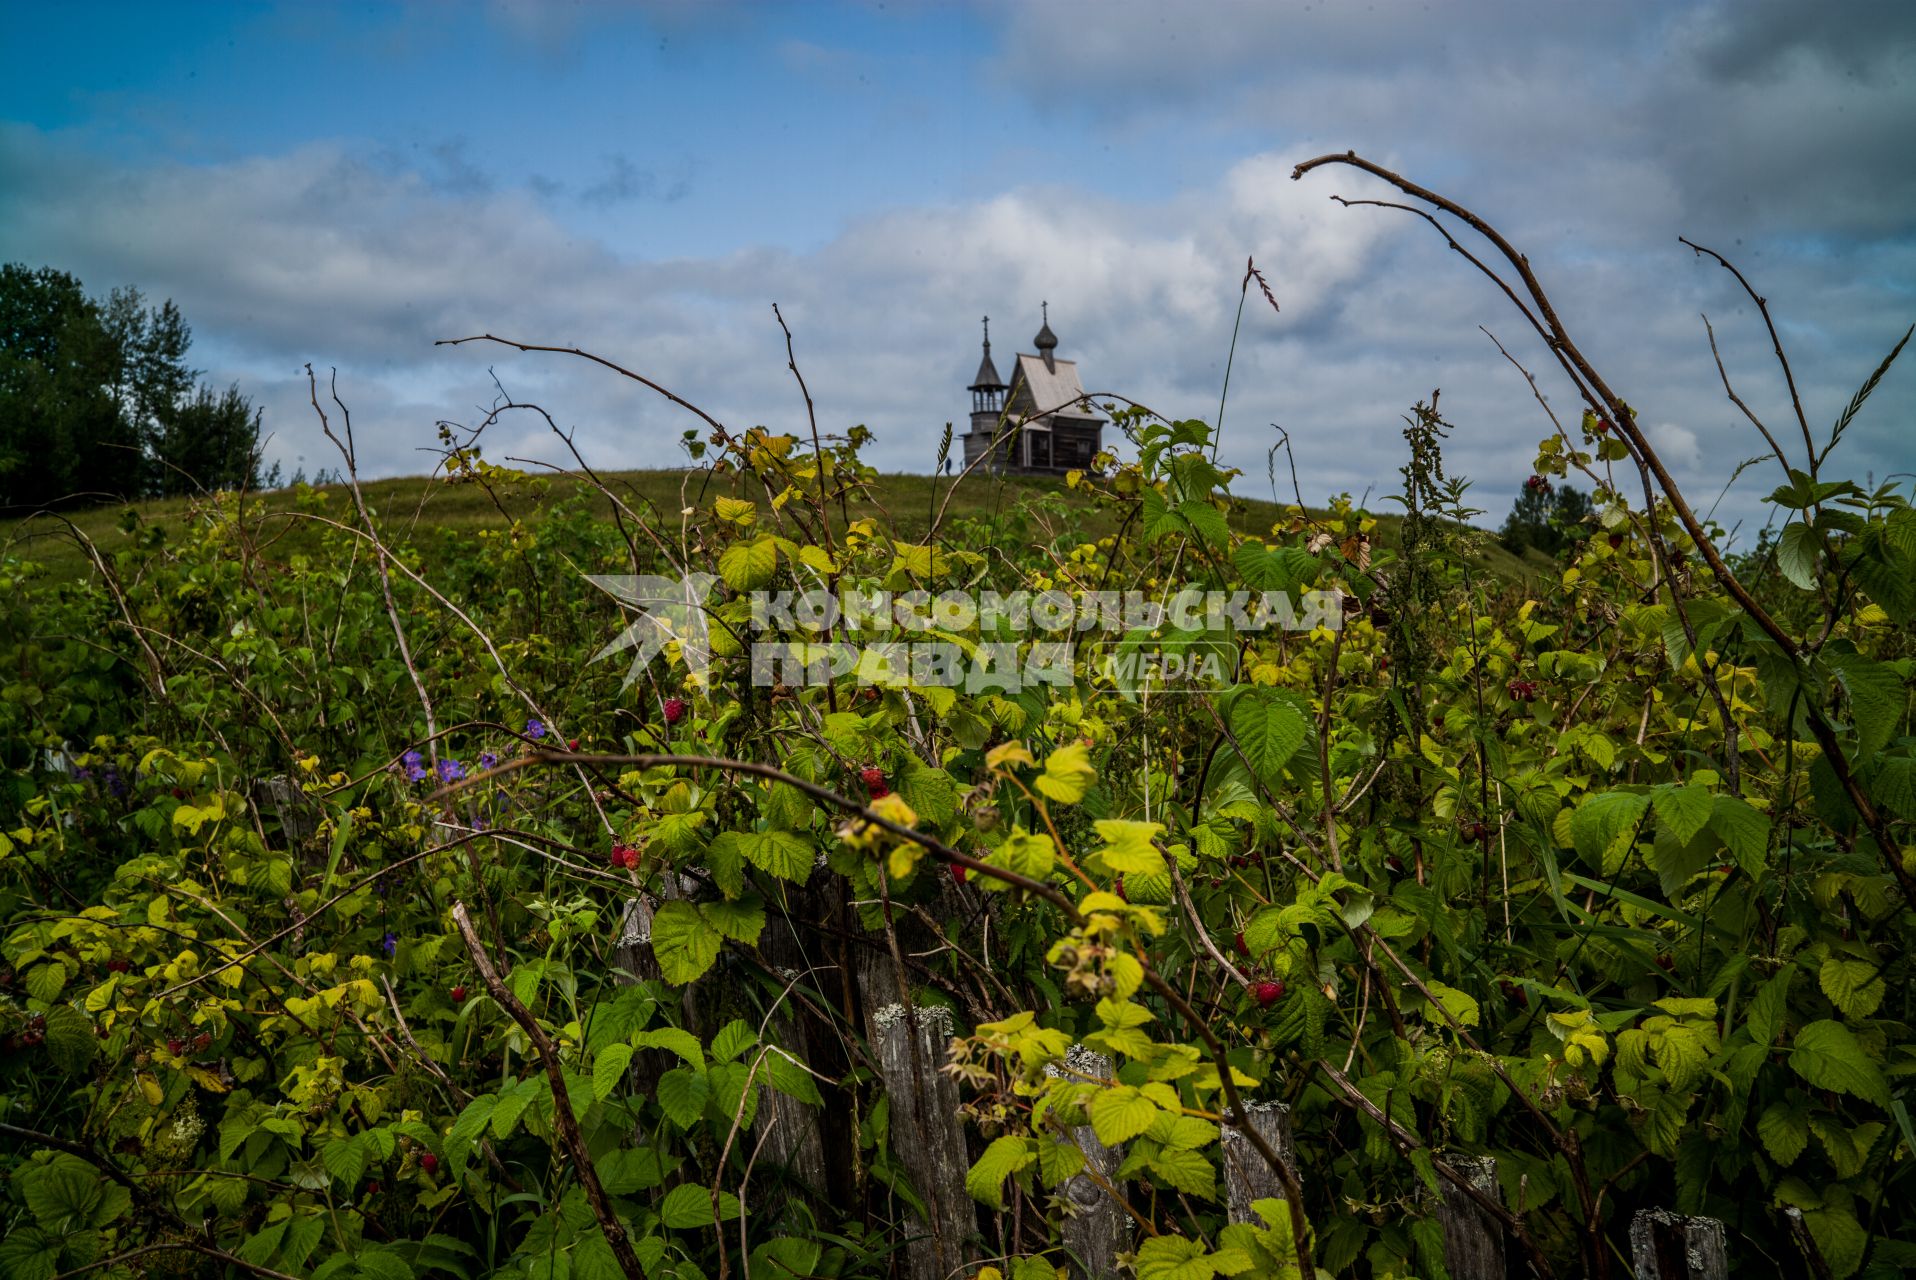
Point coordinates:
pixel 417 507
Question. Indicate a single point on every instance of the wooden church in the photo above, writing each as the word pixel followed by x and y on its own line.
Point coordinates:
pixel 1039 424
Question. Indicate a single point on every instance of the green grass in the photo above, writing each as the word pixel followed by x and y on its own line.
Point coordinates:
pixel 416 507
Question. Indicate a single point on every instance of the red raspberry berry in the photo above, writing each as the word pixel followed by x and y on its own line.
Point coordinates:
pixel 429 1162
pixel 118 965
pixel 202 1041
pixel 960 872
pixel 674 710
pixel 1239 943
pixel 175 1046
pixel 573 745
pixel 880 791
pixel 458 994
pixel 1121 893
pixel 1603 426
pixel 873 776
pixel 1268 993
pixel 1616 541
pixel 373 1188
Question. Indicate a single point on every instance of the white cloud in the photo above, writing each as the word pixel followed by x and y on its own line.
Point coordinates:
pixel 320 255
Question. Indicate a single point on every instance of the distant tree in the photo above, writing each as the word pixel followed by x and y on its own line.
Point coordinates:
pixel 98 404
pixel 1546 516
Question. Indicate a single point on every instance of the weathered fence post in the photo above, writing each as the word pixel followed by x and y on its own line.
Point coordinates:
pixel 1473 1239
pixel 1248 1177
pixel 298 815
pixel 633 962
pixel 1098 1229
pixel 1670 1246
pixel 926 1134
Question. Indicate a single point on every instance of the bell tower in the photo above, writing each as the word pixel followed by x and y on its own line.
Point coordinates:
pixel 987 391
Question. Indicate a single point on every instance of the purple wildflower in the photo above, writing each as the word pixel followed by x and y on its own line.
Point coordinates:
pixel 488 762
pixel 115 783
pixel 411 764
pixel 389 944
pixel 535 729
pixel 451 770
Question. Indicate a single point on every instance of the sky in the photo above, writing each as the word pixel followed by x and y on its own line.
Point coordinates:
pixel 345 184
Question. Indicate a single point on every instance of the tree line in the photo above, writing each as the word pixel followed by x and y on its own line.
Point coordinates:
pixel 98 404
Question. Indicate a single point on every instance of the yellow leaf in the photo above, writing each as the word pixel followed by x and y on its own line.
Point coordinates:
pixel 736 510
pixel 207 1080
pixel 1068 774
pixel 1008 753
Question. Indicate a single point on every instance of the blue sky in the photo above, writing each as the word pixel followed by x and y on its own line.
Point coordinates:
pixel 344 184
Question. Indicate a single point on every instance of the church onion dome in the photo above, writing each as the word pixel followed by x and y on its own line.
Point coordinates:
pixel 1047 341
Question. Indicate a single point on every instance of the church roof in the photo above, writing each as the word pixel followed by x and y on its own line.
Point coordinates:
pixel 1050 388
pixel 987 378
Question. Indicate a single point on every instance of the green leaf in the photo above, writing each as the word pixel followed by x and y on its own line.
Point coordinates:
pixel 1839 1238
pixel 1208 522
pixel 1828 1056
pixel 747 566
pixel 1129 848
pixel 932 793
pixel 690 1205
pixel 71 1040
pixel 682 1094
pixel 467 1129
pixel 609 1068
pixel 1005 1156
pixel 1457 1003
pixel 1187 1171
pixel 787 1075
pixel 1796 554
pixel 734 1038
pixel 1120 1114
pixel 1847 1149
pixel 741 921
pixel 1855 987
pixel 1269 730
pixel 684 942
pixel 1173 1258
pixel 1767 1007
pixel 345 1160
pixel 1876 698
pixel 62 1196
pixel 1785 1131
pixel 785 854
pixel 28 1253
pixel 1602 826
pixel 676 1039
pixel 45 981
pixel 1683 811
